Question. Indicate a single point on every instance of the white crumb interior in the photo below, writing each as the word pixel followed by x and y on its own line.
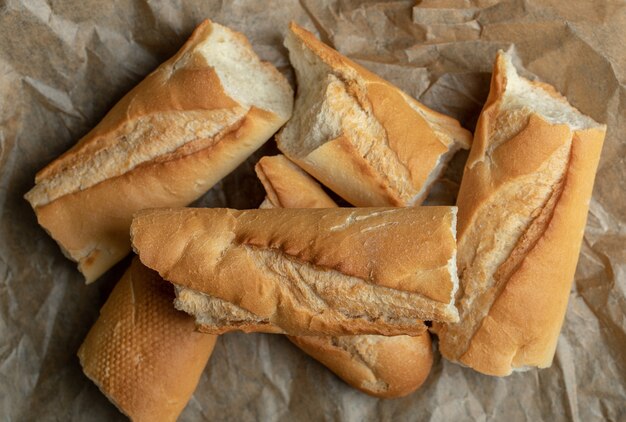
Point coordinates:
pixel 520 93
pixel 314 293
pixel 452 267
pixel 306 130
pixel 137 142
pixel 211 310
pixel 243 76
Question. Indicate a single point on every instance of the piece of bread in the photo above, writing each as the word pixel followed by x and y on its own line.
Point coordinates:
pixel 522 205
pixel 184 127
pixel 331 271
pixel 381 366
pixel 377 365
pixel 287 186
pixel 359 135
pixel 143 354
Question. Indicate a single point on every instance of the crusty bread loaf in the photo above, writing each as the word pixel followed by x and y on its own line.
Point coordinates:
pixel 143 354
pixel 305 271
pixel 377 365
pixel 522 209
pixel 184 127
pixel 359 135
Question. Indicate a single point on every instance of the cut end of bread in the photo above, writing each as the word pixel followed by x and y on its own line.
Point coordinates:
pixel 540 98
pixel 245 78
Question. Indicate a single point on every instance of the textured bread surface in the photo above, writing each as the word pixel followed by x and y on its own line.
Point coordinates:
pixel 307 271
pixel 288 186
pixel 381 366
pixel 377 365
pixel 169 140
pixel 359 135
pixel 522 205
pixel 143 354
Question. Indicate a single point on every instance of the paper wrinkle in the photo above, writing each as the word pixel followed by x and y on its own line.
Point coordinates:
pixel 63 65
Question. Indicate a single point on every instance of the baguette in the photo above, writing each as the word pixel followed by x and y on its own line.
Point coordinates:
pixel 184 127
pixel 143 354
pixel 377 365
pixel 522 204
pixel 305 271
pixel 359 135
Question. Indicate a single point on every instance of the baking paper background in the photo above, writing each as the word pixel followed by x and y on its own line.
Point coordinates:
pixel 63 64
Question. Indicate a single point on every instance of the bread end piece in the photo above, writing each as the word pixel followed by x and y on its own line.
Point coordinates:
pixel 381 366
pixel 145 356
pixel 288 186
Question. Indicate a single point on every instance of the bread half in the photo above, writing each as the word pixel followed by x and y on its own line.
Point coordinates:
pixel 305 271
pixel 170 139
pixel 143 354
pixel 377 365
pixel 522 205
pixel 359 135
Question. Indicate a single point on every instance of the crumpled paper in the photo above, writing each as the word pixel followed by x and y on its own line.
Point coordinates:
pixel 64 64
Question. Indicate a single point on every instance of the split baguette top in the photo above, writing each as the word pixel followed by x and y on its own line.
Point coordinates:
pixel 143 354
pixel 381 366
pixel 358 134
pixel 522 204
pixel 170 139
pixel 305 271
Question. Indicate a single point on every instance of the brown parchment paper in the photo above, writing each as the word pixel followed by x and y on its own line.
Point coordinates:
pixel 63 64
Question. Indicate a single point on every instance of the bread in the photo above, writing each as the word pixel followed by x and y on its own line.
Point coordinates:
pixel 305 271
pixel 359 135
pixel 377 365
pixel 170 139
pixel 522 205
pixel 143 354
pixel 287 186
pixel 386 367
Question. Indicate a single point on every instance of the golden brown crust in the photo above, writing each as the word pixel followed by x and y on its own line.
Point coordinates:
pixel 144 355
pixel 287 186
pixel 523 324
pixel 418 139
pixel 514 321
pixel 351 177
pixel 380 366
pixel 284 251
pixel 149 97
pixel 106 209
pixel 336 60
pixel 91 224
pixel 377 365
